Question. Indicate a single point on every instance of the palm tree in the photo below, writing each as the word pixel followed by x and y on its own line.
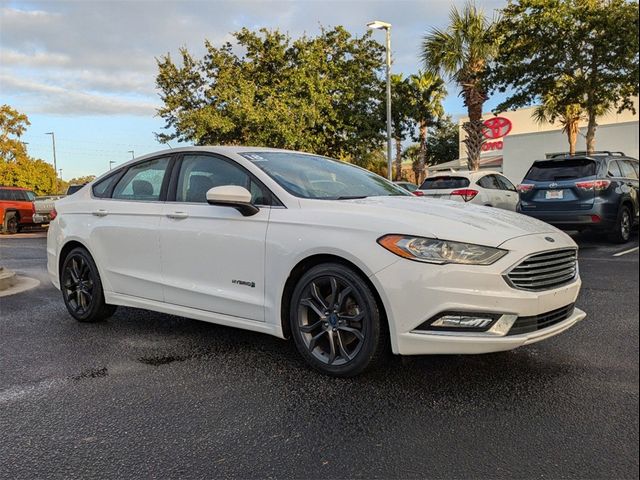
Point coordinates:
pixel 427 91
pixel 400 117
pixel 414 154
pixel 462 53
pixel 568 115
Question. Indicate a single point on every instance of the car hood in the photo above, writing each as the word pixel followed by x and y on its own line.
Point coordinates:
pixel 446 219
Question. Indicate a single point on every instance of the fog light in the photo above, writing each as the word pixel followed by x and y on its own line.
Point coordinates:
pixel 462 321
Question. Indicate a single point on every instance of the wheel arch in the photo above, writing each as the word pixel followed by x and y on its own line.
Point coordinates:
pixel 68 247
pixel 309 262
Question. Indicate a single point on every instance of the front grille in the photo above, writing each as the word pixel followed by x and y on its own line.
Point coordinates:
pixel 538 322
pixel 544 271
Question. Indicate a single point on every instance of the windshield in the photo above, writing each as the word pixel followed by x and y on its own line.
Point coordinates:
pixel 312 176
pixel 555 170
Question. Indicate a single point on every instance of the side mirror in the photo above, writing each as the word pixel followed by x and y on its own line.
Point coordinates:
pixel 232 196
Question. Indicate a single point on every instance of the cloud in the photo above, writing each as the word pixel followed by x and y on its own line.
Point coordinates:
pixel 43 98
pixel 101 54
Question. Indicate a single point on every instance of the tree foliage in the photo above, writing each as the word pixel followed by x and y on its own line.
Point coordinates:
pixel 318 94
pixel 17 169
pixel 578 52
pixel 462 53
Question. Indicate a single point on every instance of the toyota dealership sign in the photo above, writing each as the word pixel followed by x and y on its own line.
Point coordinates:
pixel 495 129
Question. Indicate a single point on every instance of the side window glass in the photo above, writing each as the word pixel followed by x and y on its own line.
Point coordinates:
pixel 200 173
pixel 142 182
pixel 101 188
pixel 614 169
pixel 627 169
pixel 489 182
pixel 505 183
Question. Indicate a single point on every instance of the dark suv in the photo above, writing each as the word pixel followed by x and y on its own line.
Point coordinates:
pixel 597 191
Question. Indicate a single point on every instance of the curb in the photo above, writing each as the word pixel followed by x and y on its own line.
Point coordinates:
pixel 7 278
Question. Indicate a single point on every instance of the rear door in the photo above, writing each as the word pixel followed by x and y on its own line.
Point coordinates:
pixel 510 193
pixel 629 170
pixel 441 186
pixel 556 185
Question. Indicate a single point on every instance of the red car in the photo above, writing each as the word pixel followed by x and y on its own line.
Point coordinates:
pixel 16 209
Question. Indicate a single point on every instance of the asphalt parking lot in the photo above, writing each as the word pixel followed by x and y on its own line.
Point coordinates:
pixel 148 395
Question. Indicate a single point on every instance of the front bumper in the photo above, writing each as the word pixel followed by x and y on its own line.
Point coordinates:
pixel 414 292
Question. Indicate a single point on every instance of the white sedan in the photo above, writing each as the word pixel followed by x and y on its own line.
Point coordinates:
pixel 301 246
pixel 491 189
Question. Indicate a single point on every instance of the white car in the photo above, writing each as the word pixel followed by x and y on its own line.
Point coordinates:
pixel 298 245
pixel 491 189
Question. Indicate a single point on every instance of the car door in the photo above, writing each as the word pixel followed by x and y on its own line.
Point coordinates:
pixel 123 224
pixel 629 170
pixel 491 194
pixel 212 256
pixel 510 193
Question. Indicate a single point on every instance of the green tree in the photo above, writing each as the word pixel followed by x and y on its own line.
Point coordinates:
pixel 427 93
pixel 17 169
pixel 401 116
pixel 81 180
pixel 442 142
pixel 568 115
pixel 320 94
pixel 13 124
pixel 592 45
pixel 462 53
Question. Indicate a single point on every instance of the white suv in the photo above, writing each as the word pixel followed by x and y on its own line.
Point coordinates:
pixel 491 189
pixel 296 245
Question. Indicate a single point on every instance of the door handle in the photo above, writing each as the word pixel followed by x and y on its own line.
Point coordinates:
pixel 178 215
pixel 100 213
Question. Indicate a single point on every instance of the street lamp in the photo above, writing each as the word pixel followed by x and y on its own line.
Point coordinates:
pixel 111 162
pixel 132 154
pixel 53 139
pixel 378 25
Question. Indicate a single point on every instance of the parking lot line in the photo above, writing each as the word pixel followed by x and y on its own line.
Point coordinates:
pixel 619 254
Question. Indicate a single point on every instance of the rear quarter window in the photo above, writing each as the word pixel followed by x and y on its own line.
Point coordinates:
pixel 555 170
pixel 444 183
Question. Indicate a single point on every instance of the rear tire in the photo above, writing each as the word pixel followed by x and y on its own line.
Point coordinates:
pixel 335 321
pixel 82 288
pixel 623 226
pixel 11 225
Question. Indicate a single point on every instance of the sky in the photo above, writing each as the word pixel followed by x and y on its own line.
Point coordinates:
pixel 86 69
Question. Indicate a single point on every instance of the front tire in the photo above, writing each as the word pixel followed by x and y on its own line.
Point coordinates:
pixel 335 321
pixel 624 222
pixel 82 288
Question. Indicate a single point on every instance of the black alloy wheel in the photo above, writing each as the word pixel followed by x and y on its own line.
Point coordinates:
pixel 335 321
pixel 82 289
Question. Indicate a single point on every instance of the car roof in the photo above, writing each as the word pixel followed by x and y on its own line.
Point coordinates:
pixel 13 188
pixel 464 173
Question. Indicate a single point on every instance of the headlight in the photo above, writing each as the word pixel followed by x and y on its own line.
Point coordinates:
pixel 430 250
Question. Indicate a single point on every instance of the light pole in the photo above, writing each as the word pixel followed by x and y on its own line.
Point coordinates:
pixel 53 139
pixel 132 154
pixel 111 162
pixel 60 173
pixel 378 25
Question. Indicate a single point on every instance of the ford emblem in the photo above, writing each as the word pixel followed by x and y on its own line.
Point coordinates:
pixel 549 239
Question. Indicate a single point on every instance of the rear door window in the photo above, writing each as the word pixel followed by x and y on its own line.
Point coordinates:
pixel 490 182
pixel 557 170
pixel 505 183
pixel 444 183
pixel 614 169
pixel 142 182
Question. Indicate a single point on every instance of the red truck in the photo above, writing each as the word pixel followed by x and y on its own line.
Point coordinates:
pixel 16 209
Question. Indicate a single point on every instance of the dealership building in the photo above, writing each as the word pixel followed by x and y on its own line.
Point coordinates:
pixel 514 140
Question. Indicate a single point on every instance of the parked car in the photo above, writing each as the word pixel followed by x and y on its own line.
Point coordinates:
pixel 43 207
pixel 488 188
pixel 16 209
pixel 245 237
pixel 410 187
pixel 598 192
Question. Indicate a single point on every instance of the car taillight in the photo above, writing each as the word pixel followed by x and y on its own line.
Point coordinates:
pixel 466 193
pixel 594 185
pixel 418 193
pixel 53 214
pixel 525 187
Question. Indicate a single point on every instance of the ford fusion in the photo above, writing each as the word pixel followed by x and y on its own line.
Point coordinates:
pixel 305 247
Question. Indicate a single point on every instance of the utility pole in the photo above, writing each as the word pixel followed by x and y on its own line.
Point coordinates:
pixel 378 25
pixel 53 140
